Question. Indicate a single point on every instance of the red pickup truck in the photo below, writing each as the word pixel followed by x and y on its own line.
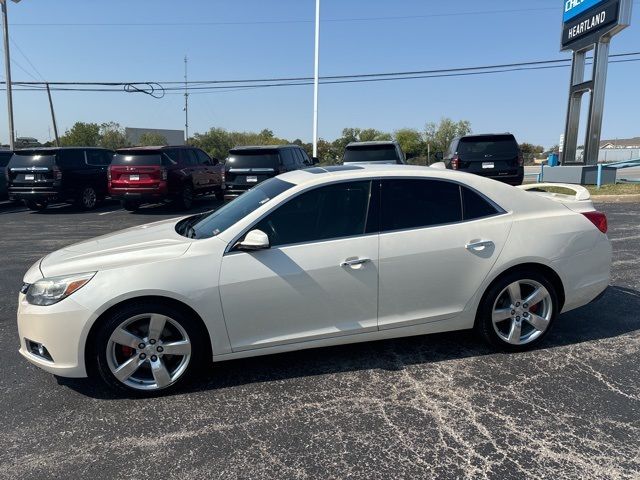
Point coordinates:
pixel 153 174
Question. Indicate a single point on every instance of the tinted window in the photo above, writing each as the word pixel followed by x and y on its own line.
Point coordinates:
pixel 333 211
pixel 409 203
pixel 203 158
pixel 287 158
pixel 494 145
pixel 189 157
pixel 97 158
pixel 218 221
pixel 371 153
pixel 4 158
pixel 137 158
pixel 475 206
pixel 71 158
pixel 253 159
pixel 33 159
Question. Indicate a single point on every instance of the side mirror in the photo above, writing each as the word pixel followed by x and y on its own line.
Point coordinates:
pixel 254 240
pixel 438 156
pixel 315 161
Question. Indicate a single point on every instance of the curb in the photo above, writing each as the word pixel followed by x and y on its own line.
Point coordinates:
pixel 616 198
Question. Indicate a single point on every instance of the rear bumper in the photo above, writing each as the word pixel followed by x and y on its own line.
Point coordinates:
pixel 35 194
pixel 510 178
pixel 140 194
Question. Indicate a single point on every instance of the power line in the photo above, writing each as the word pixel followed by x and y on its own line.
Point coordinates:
pixel 158 91
pixel 24 55
pixel 290 21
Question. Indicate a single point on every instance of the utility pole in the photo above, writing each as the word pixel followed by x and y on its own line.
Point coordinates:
pixel 315 82
pixel 7 69
pixel 186 103
pixel 53 117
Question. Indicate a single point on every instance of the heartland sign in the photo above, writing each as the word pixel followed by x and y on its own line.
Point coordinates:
pixel 586 21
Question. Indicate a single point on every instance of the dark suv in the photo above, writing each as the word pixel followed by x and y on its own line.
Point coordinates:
pixel 40 176
pixel 373 153
pixel 5 156
pixel 496 156
pixel 247 166
pixel 153 174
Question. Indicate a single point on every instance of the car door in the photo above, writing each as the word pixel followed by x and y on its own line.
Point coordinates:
pixel 434 252
pixel 193 168
pixel 210 172
pixel 319 278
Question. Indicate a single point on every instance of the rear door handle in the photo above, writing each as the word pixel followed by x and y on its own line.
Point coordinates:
pixel 353 262
pixel 478 245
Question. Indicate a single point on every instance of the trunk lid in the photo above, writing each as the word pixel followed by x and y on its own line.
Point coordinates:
pixel 579 201
pixel 137 170
pixel 246 167
pixel 33 169
pixel 489 155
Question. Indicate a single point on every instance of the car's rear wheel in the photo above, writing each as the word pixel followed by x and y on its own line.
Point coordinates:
pixel 220 195
pixel 36 205
pixel 147 349
pixel 87 198
pixel 130 205
pixel 518 310
pixel 185 197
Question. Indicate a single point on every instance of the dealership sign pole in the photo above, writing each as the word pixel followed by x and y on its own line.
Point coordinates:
pixel 589 25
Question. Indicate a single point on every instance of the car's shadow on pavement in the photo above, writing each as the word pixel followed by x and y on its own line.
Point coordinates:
pixel 612 315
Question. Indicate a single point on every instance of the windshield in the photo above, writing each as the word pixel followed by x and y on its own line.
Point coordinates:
pixel 371 153
pixel 252 159
pixel 498 146
pixel 218 221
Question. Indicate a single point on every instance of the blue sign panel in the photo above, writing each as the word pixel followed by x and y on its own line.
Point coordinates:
pixel 573 8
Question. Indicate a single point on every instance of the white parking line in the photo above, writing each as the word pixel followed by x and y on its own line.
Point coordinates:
pixel 107 213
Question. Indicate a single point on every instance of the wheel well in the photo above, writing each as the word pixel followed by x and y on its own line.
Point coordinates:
pixel 190 312
pixel 547 272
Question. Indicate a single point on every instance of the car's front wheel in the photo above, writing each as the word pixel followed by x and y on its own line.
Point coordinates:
pixel 185 197
pixel 148 348
pixel 87 199
pixel 518 310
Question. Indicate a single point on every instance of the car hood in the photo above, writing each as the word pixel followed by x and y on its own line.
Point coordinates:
pixel 143 244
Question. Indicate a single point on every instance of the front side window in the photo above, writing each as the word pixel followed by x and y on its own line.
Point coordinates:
pixel 203 158
pixel 417 203
pixel 332 211
pixel 96 158
pixel 214 223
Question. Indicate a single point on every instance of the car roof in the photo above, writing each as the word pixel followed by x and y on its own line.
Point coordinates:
pixel 152 147
pixel 50 149
pixel 262 147
pixel 503 134
pixel 376 142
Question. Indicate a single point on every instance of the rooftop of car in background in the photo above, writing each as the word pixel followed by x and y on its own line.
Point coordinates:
pixel 263 147
pixel 372 143
pixel 152 148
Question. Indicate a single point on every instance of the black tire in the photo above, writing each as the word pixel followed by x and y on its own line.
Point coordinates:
pixel 185 197
pixel 130 205
pixel 220 195
pixel 496 296
pixel 36 205
pixel 87 198
pixel 197 336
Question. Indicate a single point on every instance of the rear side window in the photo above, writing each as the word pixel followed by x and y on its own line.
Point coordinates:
pixel 98 158
pixel 288 159
pixel 416 203
pixel 475 206
pixel 71 158
pixel 371 153
pixel 489 145
pixel 333 211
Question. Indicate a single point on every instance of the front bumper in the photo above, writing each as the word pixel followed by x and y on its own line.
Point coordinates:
pixel 61 329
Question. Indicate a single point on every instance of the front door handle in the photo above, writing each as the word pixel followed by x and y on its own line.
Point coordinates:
pixel 478 245
pixel 354 262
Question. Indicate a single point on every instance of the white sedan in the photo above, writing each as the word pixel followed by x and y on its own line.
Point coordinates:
pixel 312 258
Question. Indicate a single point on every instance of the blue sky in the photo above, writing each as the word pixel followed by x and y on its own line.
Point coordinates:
pixel 431 34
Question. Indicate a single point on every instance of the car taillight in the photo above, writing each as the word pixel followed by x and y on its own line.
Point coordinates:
pixel 163 173
pixel 599 219
pixel 455 163
pixel 223 175
pixel 109 175
pixel 57 173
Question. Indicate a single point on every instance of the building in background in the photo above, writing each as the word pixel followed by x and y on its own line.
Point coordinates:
pixel 621 143
pixel 173 137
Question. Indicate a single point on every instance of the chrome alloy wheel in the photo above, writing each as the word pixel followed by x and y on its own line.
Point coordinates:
pixel 148 352
pixel 522 312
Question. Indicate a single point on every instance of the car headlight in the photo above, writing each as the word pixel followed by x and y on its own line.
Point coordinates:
pixel 48 291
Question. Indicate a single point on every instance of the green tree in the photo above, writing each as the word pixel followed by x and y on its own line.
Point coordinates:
pixel 438 136
pixel 112 136
pixel 529 151
pixel 410 141
pixel 372 135
pixel 81 134
pixel 150 139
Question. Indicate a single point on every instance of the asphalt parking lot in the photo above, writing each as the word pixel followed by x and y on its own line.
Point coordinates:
pixel 443 406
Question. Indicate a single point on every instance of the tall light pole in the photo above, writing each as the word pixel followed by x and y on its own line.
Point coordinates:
pixel 7 70
pixel 315 82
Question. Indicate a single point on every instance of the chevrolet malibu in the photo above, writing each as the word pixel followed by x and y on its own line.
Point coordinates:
pixel 313 258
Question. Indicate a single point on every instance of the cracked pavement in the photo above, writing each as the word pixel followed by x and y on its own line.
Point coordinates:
pixel 440 406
